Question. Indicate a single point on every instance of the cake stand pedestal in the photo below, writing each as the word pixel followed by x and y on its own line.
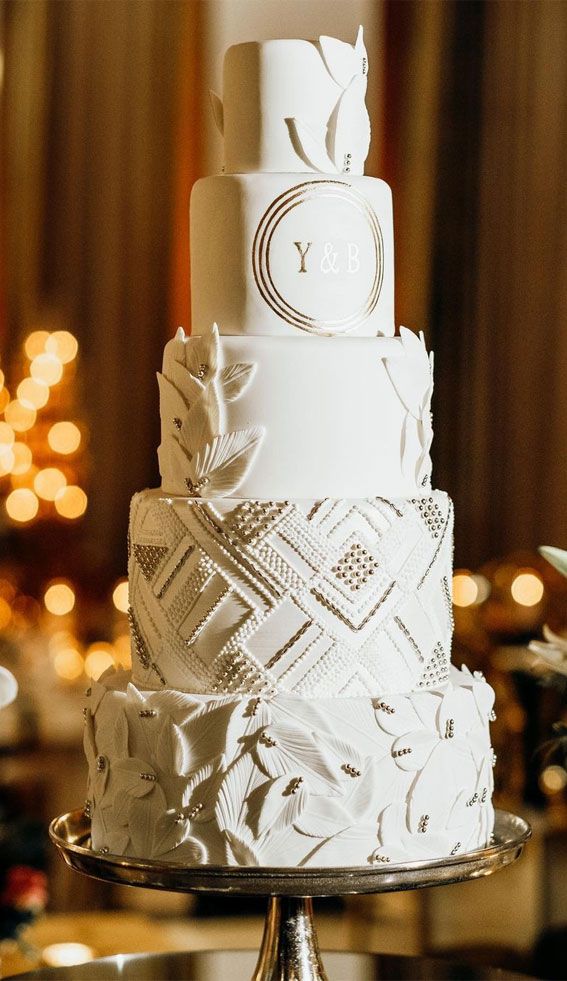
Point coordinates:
pixel 289 951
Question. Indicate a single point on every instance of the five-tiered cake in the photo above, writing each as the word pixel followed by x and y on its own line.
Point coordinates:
pixel 292 700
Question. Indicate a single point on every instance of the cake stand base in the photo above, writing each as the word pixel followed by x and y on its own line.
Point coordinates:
pixel 289 951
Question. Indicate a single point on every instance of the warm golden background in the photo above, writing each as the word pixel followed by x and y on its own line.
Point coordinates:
pixel 105 127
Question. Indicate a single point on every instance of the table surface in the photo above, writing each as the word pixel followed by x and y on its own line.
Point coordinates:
pixel 238 965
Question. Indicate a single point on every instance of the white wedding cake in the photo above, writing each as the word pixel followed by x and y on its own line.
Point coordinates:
pixel 292 700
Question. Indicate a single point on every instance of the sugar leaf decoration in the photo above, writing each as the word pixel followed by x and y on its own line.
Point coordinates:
pixel 339 144
pixel 195 453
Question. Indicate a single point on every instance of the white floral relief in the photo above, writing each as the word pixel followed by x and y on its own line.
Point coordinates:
pixel 196 452
pixel 412 378
pixel 288 781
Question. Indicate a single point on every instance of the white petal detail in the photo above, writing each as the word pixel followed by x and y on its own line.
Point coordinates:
pixel 234 380
pixel 171 749
pixel 120 735
pixel 240 852
pixel 218 110
pixel 202 422
pixel 233 793
pixel 224 462
pixel 172 403
pixel 310 147
pixel 341 59
pixel 556 556
pixel 349 127
pixel 280 806
pixel 203 356
pixel 322 818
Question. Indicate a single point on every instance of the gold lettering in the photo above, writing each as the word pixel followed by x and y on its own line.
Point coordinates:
pixel 302 253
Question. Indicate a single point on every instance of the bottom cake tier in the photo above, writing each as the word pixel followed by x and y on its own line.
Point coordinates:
pixel 289 781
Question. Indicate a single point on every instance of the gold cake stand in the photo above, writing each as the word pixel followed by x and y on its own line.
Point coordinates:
pixel 289 950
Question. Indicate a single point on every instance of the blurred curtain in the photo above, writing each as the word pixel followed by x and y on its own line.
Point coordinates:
pixel 488 258
pixel 99 104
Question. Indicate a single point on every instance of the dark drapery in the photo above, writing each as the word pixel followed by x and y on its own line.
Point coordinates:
pixel 99 104
pixel 492 276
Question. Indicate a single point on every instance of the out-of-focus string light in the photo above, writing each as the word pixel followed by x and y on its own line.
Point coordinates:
pixel 64 437
pixel 122 651
pixel 465 589
pixel 527 588
pixel 32 393
pixel 7 461
pixel 5 613
pixel 47 368
pixel 2 378
pixel 19 416
pixel 68 663
pixel 120 596
pixel 22 459
pixel 4 398
pixel 59 598
pixel 66 954
pixel 71 502
pixel 553 779
pixel 99 658
pixel 34 343
pixel 22 504
pixel 49 482
pixel 7 437
pixel 63 344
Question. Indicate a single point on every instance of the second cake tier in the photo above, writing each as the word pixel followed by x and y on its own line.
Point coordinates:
pixel 330 598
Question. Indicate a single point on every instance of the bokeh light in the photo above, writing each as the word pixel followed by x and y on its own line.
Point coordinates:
pixel 120 596
pixel 553 779
pixel 5 613
pixel 527 588
pixel 99 658
pixel 63 345
pixel 35 343
pixel 22 504
pixel 20 417
pixel 59 598
pixel 7 461
pixel 47 368
pixel 64 437
pixel 49 482
pixel 32 393
pixel 22 459
pixel 68 664
pixel 123 651
pixel 7 437
pixel 71 502
pixel 66 954
pixel 465 589
pixel 4 399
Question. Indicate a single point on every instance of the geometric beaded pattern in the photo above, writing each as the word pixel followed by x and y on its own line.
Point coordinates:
pixel 332 598
pixel 355 566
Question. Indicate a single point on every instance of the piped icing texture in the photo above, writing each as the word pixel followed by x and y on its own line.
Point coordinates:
pixel 318 598
pixel 289 781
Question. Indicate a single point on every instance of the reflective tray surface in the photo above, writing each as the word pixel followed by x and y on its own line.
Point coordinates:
pixel 71 835
pixel 212 965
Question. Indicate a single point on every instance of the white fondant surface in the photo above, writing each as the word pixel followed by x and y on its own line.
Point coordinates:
pixel 285 254
pixel 288 781
pixel 339 417
pixel 329 598
pixel 295 105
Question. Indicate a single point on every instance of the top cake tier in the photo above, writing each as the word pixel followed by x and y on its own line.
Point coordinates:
pixel 294 106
